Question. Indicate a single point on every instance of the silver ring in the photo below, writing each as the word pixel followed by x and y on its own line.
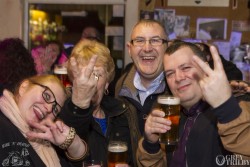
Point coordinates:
pixel 96 77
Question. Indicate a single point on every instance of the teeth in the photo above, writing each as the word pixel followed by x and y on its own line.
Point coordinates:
pixel 148 58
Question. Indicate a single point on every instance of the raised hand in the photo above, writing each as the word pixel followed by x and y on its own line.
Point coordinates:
pixel 84 82
pixel 155 124
pixel 47 58
pixel 214 84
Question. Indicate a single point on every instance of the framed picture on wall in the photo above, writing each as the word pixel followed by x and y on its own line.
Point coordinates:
pixel 167 18
pixel 181 27
pixel 212 3
pixel 211 28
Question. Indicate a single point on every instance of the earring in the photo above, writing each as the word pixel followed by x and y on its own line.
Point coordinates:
pixel 106 92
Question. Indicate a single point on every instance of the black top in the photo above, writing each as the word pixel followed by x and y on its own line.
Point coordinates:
pixel 15 150
pixel 89 130
pixel 203 144
pixel 231 70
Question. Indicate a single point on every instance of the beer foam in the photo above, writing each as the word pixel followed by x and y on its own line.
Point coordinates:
pixel 170 100
pixel 62 70
pixel 117 148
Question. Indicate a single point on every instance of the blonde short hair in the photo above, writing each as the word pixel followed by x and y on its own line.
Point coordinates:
pixel 85 49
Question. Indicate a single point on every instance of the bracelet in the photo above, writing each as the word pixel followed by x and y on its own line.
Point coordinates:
pixel 69 139
pixel 81 157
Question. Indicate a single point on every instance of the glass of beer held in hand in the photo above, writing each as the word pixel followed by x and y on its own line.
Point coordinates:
pixel 61 72
pixel 117 153
pixel 170 105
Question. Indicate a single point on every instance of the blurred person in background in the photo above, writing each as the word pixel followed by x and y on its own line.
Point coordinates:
pixel 89 32
pixel 16 63
pixel 47 56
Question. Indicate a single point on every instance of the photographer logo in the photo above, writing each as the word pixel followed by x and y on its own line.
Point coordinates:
pixel 231 160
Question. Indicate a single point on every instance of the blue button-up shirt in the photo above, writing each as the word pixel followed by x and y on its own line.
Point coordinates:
pixel 145 92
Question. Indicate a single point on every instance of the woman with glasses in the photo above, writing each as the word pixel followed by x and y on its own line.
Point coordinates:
pixel 29 129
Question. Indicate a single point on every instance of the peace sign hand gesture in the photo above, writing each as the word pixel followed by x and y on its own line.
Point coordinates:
pixel 84 82
pixel 214 84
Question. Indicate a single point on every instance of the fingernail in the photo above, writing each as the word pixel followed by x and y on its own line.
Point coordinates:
pixel 163 114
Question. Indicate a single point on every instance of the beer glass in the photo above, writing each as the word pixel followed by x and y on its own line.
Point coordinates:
pixel 170 105
pixel 117 153
pixel 61 72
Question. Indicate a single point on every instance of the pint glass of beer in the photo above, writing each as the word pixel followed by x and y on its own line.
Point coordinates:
pixel 117 153
pixel 61 72
pixel 170 105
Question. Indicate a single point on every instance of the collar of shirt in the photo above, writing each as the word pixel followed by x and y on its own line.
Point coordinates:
pixel 197 108
pixel 145 92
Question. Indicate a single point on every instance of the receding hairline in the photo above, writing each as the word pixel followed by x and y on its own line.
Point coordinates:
pixel 148 22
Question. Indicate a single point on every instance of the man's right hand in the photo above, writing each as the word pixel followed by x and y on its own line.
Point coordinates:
pixel 155 124
pixel 239 87
pixel 84 82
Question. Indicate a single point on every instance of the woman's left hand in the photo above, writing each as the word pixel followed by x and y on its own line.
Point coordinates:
pixel 55 132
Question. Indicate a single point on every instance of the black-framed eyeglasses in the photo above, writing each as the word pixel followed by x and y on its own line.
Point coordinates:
pixel 50 98
pixel 153 41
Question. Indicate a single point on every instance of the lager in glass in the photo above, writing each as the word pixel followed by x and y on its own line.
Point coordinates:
pixel 170 105
pixel 117 153
pixel 61 72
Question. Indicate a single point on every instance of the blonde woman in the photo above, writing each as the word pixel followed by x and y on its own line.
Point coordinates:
pixel 97 117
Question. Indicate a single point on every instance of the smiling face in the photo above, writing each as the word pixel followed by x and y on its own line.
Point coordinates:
pixel 148 58
pixel 32 104
pixel 183 75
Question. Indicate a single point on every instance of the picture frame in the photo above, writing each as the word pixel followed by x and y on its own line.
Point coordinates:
pixel 198 3
pixel 211 28
pixel 167 18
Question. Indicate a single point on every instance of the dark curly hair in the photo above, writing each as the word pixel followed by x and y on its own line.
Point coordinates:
pixel 16 63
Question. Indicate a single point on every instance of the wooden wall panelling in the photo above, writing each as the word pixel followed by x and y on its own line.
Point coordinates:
pixel 242 12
